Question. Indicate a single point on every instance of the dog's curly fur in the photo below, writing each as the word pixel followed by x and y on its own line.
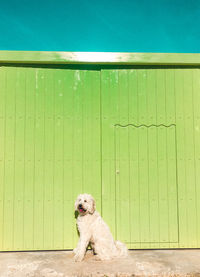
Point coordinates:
pixel 95 231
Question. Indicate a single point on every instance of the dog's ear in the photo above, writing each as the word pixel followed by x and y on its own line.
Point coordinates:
pixel 92 206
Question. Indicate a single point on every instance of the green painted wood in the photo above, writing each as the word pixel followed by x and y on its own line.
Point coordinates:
pixel 29 149
pixel 110 115
pixel 153 208
pixel 196 122
pixel 50 152
pixel 47 57
pixel 189 156
pixel 168 216
pixel 130 137
pixel 2 149
pixel 9 170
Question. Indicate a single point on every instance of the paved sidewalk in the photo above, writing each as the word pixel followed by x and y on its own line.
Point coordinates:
pixel 139 263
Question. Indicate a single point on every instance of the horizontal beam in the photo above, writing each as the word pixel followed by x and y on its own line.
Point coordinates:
pixel 42 57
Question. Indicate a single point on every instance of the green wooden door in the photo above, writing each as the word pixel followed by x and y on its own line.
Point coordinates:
pixel 49 153
pixel 130 137
pixel 146 184
pixel 150 155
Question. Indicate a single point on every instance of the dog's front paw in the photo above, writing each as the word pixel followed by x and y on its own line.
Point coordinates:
pixel 78 257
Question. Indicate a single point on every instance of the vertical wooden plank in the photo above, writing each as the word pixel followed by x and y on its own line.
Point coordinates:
pixel 196 101
pixel 144 184
pixel 70 237
pixel 172 184
pixel 122 201
pixel 171 157
pixel 78 142
pixel 86 133
pixel 95 150
pixel 117 183
pixel 134 199
pixel 153 187
pixel 110 117
pixel 142 97
pixel 29 177
pixel 133 96
pixel 134 160
pixel 106 149
pixel 151 96
pixel 49 138
pixel 9 160
pixel 179 86
pixel 189 157
pixel 2 147
pixel 58 160
pixel 163 185
pixel 143 156
pixel 123 88
pixel 152 160
pixel 124 182
pixel 39 161
pixel 163 190
pixel 161 95
pixel 20 111
pixel 170 97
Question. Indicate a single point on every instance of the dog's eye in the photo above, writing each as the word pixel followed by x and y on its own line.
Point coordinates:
pixel 85 200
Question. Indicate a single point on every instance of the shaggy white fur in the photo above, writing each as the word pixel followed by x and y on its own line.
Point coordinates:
pixel 95 231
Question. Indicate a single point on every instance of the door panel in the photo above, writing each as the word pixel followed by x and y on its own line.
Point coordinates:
pixel 50 152
pixel 142 97
pixel 146 184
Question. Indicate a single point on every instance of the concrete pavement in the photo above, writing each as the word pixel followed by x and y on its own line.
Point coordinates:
pixel 139 263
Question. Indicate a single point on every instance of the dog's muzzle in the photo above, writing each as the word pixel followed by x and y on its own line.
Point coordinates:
pixel 81 209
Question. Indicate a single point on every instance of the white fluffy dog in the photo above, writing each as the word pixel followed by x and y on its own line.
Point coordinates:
pixel 95 231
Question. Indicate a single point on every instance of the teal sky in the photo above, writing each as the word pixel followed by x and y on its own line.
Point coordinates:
pixel 117 26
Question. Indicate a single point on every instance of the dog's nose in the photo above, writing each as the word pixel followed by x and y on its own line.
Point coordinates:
pixel 80 205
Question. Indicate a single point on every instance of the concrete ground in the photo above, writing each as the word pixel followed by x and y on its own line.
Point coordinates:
pixel 139 263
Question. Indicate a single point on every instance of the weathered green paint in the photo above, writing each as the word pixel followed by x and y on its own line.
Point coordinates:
pixel 50 152
pixel 146 187
pixel 150 179
pixel 130 137
pixel 32 57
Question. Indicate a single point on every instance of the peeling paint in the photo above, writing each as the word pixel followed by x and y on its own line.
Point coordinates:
pixel 76 79
pixel 36 79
